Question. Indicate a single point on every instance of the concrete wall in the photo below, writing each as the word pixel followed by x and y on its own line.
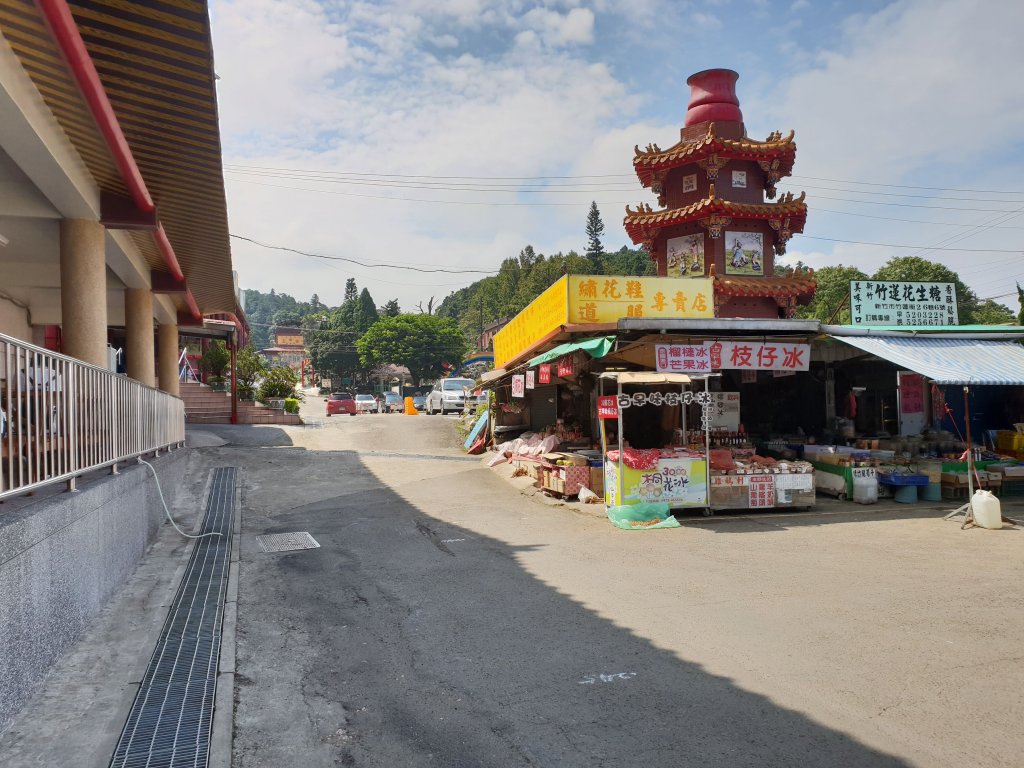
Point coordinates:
pixel 14 320
pixel 62 556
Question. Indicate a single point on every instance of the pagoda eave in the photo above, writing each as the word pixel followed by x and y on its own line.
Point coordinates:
pixel 786 217
pixel 776 155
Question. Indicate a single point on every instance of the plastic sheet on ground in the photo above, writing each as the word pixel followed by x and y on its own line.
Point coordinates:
pixel 639 517
pixel 530 444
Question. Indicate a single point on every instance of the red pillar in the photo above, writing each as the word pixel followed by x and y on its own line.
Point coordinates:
pixel 234 386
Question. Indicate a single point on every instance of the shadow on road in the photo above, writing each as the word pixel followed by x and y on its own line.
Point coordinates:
pixel 406 641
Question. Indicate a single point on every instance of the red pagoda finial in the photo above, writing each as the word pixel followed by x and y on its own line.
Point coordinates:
pixel 713 97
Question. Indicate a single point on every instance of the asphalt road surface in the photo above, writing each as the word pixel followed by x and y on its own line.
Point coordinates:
pixel 446 620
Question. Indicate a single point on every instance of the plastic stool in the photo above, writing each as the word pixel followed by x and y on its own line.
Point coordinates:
pixel 905 494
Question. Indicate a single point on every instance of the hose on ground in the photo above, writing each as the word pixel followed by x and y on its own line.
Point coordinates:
pixel 159 490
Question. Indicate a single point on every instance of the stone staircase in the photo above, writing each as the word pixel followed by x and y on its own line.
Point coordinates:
pixel 205 406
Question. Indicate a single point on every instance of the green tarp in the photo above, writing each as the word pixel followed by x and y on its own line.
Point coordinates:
pixel 597 347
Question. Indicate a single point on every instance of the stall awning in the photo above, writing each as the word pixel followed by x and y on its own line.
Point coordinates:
pixel 597 347
pixel 949 361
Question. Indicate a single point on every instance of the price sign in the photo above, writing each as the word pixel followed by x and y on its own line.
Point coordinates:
pixel 519 385
pixel 566 365
pixel 544 374
pixel 530 379
pixel 608 407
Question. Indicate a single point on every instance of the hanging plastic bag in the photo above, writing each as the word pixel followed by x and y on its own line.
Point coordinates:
pixel 639 517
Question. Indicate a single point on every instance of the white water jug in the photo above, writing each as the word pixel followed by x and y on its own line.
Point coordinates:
pixel 987 511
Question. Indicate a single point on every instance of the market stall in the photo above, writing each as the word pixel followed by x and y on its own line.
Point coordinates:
pixel 671 470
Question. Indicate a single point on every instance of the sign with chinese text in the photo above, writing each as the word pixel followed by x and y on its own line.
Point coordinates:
pixel 911 392
pixel 602 299
pixel 530 379
pixel 608 298
pixel 608 407
pixel 544 374
pixel 876 302
pixel 289 340
pixel 682 358
pixel 678 482
pixel 725 411
pixel 519 385
pixel 566 365
pixel 759 355
pixel 542 316
pixel 762 491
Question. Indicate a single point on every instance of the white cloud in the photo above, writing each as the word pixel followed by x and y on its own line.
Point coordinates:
pixel 573 28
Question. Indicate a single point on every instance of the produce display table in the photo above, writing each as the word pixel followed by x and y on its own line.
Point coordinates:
pixel 762 490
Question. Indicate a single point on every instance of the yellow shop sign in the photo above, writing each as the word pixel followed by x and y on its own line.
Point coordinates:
pixel 607 298
pixel 599 299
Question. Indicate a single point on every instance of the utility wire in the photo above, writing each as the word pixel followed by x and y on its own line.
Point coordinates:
pixel 631 176
pixel 362 263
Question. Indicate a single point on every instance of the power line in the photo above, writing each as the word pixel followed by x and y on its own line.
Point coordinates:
pixel 241 166
pixel 361 263
pixel 915 247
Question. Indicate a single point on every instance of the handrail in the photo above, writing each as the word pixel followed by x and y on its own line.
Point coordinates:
pixel 61 418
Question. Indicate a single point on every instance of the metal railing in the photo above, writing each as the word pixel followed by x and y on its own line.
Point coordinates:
pixel 61 418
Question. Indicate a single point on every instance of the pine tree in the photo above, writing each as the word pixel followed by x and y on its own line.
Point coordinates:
pixel 595 228
pixel 1020 298
pixel 351 291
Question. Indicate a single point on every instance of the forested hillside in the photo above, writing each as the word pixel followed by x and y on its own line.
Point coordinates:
pixel 522 279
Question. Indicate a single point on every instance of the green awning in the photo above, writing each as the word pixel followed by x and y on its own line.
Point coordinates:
pixel 597 347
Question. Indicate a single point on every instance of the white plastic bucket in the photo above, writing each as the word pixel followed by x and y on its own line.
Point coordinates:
pixel 865 490
pixel 987 511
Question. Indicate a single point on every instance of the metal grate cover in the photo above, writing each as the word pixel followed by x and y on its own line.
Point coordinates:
pixel 286 542
pixel 171 718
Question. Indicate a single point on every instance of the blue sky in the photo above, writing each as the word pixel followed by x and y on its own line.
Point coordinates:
pixel 907 115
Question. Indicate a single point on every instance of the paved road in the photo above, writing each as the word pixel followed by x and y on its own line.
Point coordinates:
pixel 448 621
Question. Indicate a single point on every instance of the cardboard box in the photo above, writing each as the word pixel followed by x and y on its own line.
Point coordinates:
pixel 575 478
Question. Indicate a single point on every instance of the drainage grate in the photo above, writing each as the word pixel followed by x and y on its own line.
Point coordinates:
pixel 286 542
pixel 171 718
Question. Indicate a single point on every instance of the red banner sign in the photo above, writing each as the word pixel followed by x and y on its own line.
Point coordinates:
pixel 566 365
pixel 543 374
pixel 608 407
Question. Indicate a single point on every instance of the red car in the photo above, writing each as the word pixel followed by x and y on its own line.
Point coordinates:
pixel 341 402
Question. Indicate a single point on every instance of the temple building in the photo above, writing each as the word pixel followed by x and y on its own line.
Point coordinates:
pixel 715 220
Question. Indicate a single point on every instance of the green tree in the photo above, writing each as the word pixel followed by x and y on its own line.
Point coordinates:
pixel 250 365
pixel 422 343
pixel 365 313
pixel 595 228
pixel 628 261
pixel 279 382
pixel 332 352
pixel 1020 299
pixel 215 359
pixel 833 293
pixel 391 309
pixel 351 291
pixel 989 312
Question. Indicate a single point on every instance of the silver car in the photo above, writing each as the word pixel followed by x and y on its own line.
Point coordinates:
pixel 449 395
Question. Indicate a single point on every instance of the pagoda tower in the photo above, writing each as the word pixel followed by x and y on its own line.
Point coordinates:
pixel 714 219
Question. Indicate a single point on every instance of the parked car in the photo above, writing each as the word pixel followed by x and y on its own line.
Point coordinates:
pixel 449 395
pixel 366 404
pixel 419 402
pixel 392 403
pixel 341 402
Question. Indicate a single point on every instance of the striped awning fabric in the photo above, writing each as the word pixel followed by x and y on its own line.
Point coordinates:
pixel 949 361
